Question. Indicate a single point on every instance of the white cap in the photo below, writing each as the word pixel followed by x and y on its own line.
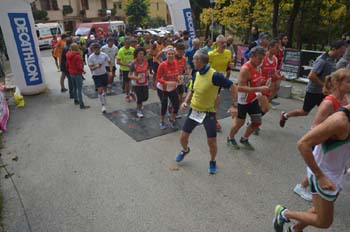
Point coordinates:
pixel 92 37
pixel 139 33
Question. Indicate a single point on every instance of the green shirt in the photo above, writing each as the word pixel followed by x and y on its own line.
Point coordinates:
pixel 126 56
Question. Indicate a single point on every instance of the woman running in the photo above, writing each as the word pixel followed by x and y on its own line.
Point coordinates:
pixel 167 80
pixel 139 75
pixel 335 87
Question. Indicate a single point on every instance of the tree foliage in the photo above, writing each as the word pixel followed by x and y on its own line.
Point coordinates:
pixel 311 21
pixel 137 12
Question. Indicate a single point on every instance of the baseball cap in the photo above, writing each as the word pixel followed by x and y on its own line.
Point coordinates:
pixel 92 37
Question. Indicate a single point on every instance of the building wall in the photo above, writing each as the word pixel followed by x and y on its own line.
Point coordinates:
pixel 158 8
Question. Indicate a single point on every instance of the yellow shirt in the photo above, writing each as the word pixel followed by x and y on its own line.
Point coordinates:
pixel 204 92
pixel 219 61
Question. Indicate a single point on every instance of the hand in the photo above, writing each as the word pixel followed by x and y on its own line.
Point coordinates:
pixel 232 111
pixel 326 184
pixel 264 88
pixel 183 106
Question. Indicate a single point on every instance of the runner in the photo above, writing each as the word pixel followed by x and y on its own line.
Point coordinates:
pixel 220 60
pixel 325 149
pixel 202 96
pixel 167 79
pixel 54 43
pixel 270 72
pixel 97 62
pixel 335 87
pixel 124 59
pixel 139 75
pixel 156 48
pixel 63 67
pixel 111 50
pixel 323 66
pixel 183 71
pixel 189 53
pixel 251 84
pixel 75 67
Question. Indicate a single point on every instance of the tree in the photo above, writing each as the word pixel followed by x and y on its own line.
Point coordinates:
pixel 156 22
pixel 276 4
pixel 137 12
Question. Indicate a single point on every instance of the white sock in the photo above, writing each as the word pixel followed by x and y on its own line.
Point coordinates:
pixel 101 99
pixel 283 214
pixel 285 115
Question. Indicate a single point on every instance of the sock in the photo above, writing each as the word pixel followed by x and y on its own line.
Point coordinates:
pixel 101 98
pixel 244 138
pixel 285 115
pixel 283 215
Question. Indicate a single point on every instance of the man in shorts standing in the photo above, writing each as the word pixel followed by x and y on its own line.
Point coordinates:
pixel 97 62
pixel 111 50
pixel 323 66
pixel 124 59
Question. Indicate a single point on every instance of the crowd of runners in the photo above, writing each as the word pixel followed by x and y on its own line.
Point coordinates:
pixel 187 73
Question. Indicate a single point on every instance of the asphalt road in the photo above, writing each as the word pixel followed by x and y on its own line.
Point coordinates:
pixel 77 172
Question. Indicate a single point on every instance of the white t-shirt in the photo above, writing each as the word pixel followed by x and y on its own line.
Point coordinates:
pixel 110 51
pixel 101 58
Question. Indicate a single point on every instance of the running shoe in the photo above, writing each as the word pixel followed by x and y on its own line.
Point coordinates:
pixel 279 220
pixel 233 143
pixel 127 98
pixel 162 125
pixel 303 192
pixel 218 126
pixel 179 157
pixel 103 109
pixel 173 124
pixel 246 144
pixel 212 167
pixel 178 116
pixel 283 119
pixel 139 114
pixel 84 107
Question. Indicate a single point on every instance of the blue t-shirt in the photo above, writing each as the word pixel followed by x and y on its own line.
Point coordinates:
pixel 189 53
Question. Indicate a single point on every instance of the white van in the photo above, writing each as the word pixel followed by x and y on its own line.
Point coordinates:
pixel 45 32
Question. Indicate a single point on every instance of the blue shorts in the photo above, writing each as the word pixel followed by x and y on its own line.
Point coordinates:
pixel 100 80
pixel 209 123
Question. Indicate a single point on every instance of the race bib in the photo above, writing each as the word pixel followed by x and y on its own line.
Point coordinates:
pixel 142 79
pixel 197 116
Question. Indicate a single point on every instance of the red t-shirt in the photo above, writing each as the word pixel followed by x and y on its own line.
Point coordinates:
pixel 167 72
pixel 256 80
pixel 280 55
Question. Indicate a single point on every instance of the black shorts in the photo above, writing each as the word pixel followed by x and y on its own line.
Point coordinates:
pixel 100 80
pixel 311 100
pixel 180 89
pixel 209 123
pixel 125 75
pixel 113 69
pixel 250 108
pixel 141 93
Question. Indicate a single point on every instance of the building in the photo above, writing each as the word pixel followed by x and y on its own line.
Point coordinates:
pixel 71 12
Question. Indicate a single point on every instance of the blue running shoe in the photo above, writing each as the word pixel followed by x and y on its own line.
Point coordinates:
pixel 212 167
pixel 182 155
pixel 162 125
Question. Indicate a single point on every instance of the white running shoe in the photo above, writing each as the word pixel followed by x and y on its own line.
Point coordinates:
pixel 103 110
pixel 139 114
pixel 303 192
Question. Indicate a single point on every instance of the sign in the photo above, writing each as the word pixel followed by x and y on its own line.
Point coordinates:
pixel 26 47
pixel 240 55
pixel 291 64
pixel 307 61
pixel 181 16
pixel 17 23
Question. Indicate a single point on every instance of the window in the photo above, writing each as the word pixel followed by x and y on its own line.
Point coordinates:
pixel 54 5
pixel 85 4
pixel 157 6
pixel 120 6
pixel 104 4
pixel 45 4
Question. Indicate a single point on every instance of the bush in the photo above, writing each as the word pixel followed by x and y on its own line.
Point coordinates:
pixel 40 15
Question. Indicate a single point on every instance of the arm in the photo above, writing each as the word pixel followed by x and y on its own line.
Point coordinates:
pixel 323 111
pixel 315 79
pixel 160 74
pixel 186 101
pixel 243 79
